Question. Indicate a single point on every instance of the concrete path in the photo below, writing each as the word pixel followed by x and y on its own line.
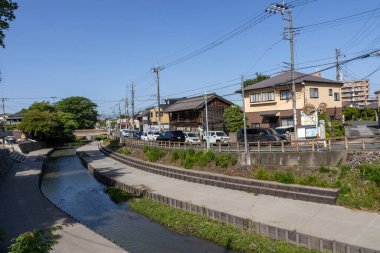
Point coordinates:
pixel 319 220
pixel 24 208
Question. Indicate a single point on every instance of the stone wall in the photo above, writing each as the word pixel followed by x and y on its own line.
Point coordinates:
pixel 357 158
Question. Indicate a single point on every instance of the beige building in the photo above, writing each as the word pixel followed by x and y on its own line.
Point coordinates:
pixel 269 102
pixel 164 119
pixel 356 94
pixel 378 97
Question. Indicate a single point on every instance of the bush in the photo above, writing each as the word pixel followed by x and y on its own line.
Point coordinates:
pixel 351 113
pixel 324 169
pixel 224 160
pixel 124 151
pixel 153 154
pixel 37 241
pixel 204 158
pixel 369 114
pixel 262 174
pixel 188 163
pixel 101 137
pixel 370 172
pixel 285 177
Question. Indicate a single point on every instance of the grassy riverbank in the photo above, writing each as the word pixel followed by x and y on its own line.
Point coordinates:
pixel 199 226
pixel 359 187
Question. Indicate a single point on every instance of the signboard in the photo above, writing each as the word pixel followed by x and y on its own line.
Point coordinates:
pixel 311 132
pixel 309 120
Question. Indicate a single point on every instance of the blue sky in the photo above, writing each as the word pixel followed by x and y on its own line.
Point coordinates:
pixel 96 49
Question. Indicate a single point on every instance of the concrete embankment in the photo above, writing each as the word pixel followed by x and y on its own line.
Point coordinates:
pixel 24 208
pixel 313 225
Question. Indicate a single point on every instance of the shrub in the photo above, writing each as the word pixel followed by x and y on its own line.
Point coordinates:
pixel 37 241
pixel 153 154
pixel 370 172
pixel 124 151
pixel 204 158
pixel 223 160
pixel 369 114
pixel 285 177
pixel 262 174
pixel 101 137
pixel 324 169
pixel 188 163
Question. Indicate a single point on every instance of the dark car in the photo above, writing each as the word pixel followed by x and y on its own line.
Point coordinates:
pixel 172 135
pixel 137 135
pixel 259 134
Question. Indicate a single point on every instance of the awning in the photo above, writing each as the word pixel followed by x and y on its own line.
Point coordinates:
pixel 269 114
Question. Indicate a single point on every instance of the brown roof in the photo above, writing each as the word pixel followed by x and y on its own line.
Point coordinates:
pixel 193 103
pixel 285 79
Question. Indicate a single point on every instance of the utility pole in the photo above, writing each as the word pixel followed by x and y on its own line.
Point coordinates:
pixel 157 71
pixel 338 75
pixel 207 133
pixel 274 8
pixel 245 124
pixel 133 104
pixel 4 121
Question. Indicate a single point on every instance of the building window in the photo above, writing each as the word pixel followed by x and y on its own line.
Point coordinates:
pixel 330 92
pixel 268 96
pixel 287 121
pixel 285 94
pixel 255 125
pixel 314 93
pixel 255 97
pixel 336 96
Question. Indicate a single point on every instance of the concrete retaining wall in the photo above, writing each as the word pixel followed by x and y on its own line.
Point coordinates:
pixel 31 146
pixel 6 162
pixel 300 159
pixel 294 237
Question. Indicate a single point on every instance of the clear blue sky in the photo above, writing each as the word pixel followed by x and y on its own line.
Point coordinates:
pixel 96 48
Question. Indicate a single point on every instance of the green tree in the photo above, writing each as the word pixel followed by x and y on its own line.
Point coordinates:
pixel 83 110
pixel 351 113
pixel 259 77
pixel 39 125
pixel 233 117
pixel 7 7
pixel 369 114
pixel 40 106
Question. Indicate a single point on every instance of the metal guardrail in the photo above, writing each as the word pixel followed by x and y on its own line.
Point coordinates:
pixel 313 145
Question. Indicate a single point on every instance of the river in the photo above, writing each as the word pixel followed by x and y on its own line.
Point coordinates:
pixel 73 189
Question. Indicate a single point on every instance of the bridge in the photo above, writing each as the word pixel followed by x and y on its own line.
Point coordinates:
pixel 89 132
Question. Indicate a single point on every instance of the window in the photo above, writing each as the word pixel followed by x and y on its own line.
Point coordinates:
pixel 287 121
pixel 314 93
pixel 268 96
pixel 255 125
pixel 255 97
pixel 285 94
pixel 330 92
pixel 336 96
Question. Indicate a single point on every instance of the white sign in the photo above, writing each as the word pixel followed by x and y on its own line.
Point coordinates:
pixel 309 120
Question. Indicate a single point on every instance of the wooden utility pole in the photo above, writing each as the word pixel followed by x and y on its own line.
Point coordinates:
pixel 337 54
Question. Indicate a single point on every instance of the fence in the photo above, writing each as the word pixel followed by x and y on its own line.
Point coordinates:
pixel 343 143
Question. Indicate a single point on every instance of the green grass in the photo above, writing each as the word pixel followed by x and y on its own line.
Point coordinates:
pixel 117 195
pixel 189 158
pixel 199 226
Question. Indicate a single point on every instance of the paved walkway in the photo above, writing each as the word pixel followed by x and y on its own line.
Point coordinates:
pixel 319 220
pixel 24 208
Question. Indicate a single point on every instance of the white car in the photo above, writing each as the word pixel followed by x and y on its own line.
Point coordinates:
pixel 144 137
pixel 191 137
pixel 152 136
pixel 218 137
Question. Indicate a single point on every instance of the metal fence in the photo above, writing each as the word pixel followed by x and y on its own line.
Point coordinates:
pixel 313 145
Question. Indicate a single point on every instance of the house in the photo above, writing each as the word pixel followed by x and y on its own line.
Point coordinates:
pixel 356 94
pixel 189 114
pixel 269 103
pixel 378 97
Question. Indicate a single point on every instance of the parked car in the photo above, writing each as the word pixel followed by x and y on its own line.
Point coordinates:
pixel 144 137
pixel 161 137
pixel 217 137
pixel 173 135
pixel 259 134
pixel 191 137
pixel 137 135
pixel 126 132
pixel 285 131
pixel 152 135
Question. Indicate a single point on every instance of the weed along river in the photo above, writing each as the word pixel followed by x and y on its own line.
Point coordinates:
pixel 72 188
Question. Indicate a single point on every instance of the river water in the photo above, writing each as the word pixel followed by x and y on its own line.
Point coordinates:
pixel 71 187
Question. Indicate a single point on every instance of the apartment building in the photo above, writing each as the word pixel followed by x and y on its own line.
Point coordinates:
pixel 269 102
pixel 356 94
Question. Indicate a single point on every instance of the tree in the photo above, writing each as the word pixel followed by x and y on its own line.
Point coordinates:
pixel 6 15
pixel 259 77
pixel 351 113
pixel 83 110
pixel 233 117
pixel 39 125
pixel 369 114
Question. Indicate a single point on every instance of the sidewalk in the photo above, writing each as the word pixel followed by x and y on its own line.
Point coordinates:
pixel 324 221
pixel 24 208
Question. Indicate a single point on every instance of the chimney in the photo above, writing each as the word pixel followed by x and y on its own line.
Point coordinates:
pixel 317 74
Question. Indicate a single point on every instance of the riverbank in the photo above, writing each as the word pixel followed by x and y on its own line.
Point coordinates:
pixel 336 227
pixel 24 208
